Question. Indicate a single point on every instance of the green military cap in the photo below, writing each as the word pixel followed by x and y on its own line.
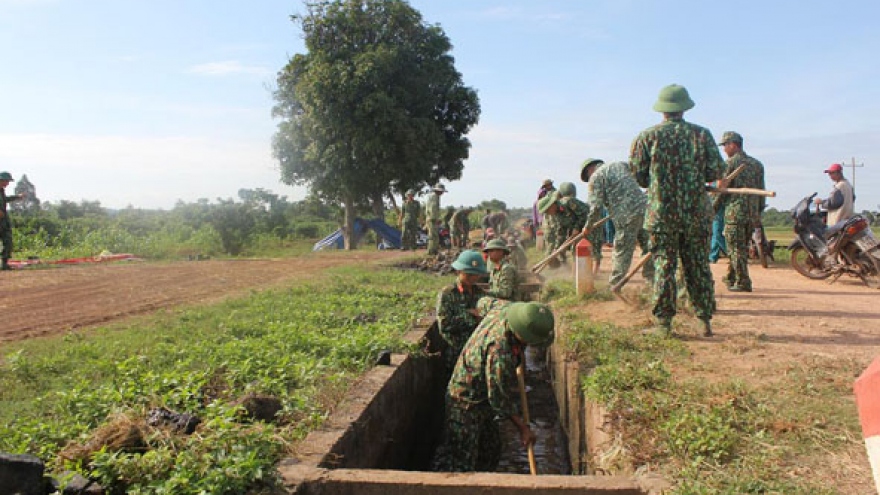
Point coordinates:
pixel 585 175
pixel 470 262
pixel 410 193
pixel 673 98
pixel 731 137
pixel 547 183
pixel 496 244
pixel 567 189
pixel 547 201
pixel 532 322
pixel 6 176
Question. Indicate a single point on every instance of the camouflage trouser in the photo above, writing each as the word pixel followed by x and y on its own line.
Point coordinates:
pixel 597 240
pixel 737 237
pixel 471 439
pixel 460 238
pixel 666 249
pixel 626 236
pixel 548 227
pixel 408 236
pixel 6 238
pixel 433 237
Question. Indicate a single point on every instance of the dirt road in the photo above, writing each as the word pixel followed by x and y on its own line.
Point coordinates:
pixel 788 323
pixel 38 302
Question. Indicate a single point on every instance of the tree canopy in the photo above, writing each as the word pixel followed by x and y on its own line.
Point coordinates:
pixel 374 107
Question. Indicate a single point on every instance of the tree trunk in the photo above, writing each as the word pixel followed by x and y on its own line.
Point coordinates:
pixel 378 204
pixel 348 223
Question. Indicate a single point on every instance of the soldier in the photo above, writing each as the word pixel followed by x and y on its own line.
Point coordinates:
pixel 461 228
pixel 742 213
pixel 573 215
pixel 410 220
pixel 613 188
pixel 481 386
pixel 546 188
pixel 5 224
pixel 517 254
pixel 433 218
pixel 457 316
pixel 502 273
pixel 499 222
pixel 549 207
pixel 674 160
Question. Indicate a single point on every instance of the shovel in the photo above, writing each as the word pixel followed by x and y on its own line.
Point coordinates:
pixel 520 376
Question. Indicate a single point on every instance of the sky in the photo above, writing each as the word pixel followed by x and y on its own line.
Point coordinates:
pixel 147 103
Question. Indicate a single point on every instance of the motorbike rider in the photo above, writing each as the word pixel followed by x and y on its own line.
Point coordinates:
pixel 840 204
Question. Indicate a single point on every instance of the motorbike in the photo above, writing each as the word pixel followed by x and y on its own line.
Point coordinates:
pixel 443 234
pixel 760 248
pixel 846 248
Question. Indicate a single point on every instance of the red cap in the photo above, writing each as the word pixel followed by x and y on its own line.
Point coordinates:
pixel 835 167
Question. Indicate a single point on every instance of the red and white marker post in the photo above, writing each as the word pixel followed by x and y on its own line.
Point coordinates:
pixel 867 390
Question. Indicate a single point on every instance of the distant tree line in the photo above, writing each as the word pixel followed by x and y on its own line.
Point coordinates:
pixel 257 220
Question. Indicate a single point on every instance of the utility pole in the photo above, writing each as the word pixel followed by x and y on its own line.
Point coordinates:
pixel 853 165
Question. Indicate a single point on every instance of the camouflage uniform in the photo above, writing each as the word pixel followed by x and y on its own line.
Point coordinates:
pixel 572 215
pixel 499 222
pixel 613 187
pixel 461 228
pixel 411 211
pixel 482 388
pixel 674 160
pixel 742 214
pixel 453 320
pixel 433 217
pixel 503 280
pixel 6 227
pixel 518 257
pixel 548 228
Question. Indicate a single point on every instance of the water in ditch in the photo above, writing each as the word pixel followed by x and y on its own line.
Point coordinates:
pixel 551 448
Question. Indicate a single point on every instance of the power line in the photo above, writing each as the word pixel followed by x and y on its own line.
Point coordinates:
pixel 853 165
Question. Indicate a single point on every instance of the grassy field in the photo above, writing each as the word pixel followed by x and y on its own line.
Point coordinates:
pixel 79 401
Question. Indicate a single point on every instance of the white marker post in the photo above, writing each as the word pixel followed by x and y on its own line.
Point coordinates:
pixel 583 267
pixel 867 390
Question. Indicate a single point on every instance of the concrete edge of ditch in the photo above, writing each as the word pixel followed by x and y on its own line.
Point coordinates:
pixel 369 443
pixel 309 480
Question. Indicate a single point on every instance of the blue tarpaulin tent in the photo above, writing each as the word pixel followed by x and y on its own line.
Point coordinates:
pixel 388 235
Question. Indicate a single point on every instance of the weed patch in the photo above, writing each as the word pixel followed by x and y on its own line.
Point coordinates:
pixel 71 400
pixel 709 436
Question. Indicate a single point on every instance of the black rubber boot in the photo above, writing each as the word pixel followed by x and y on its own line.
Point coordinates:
pixel 707 328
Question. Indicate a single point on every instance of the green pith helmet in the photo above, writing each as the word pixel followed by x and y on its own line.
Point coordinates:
pixel 496 244
pixel 547 201
pixel 532 322
pixel 585 174
pixel 470 262
pixel 568 190
pixel 6 176
pixel 673 98
pixel 731 137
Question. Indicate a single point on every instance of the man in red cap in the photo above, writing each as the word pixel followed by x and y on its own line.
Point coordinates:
pixel 841 202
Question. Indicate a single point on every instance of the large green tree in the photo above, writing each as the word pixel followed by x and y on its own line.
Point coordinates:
pixel 374 107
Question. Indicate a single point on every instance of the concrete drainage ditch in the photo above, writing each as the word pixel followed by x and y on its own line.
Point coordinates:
pixel 380 440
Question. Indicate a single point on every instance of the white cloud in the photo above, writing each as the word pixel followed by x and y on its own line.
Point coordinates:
pixel 229 67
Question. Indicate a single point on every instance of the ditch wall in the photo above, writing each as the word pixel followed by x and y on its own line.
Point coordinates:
pixel 381 438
